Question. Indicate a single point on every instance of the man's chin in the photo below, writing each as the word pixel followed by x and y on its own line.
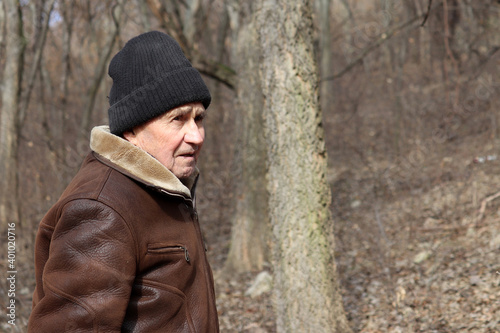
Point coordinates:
pixel 185 172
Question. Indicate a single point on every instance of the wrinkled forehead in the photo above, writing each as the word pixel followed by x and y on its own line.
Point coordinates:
pixel 197 107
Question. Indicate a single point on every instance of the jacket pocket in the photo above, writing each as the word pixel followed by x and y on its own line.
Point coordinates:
pixel 162 248
pixel 157 307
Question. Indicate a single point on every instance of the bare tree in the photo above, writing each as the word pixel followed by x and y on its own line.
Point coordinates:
pixel 100 69
pixel 307 297
pixel 9 119
pixel 250 232
pixel 67 12
pixel 40 38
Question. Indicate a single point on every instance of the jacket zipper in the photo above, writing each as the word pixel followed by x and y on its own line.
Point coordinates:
pixel 176 248
pixel 186 253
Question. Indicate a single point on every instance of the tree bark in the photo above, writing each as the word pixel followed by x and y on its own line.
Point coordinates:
pixel 307 297
pixel 250 232
pixel 9 119
pixel 2 29
pixel 190 25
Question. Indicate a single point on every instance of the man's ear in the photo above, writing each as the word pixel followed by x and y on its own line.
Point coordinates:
pixel 130 136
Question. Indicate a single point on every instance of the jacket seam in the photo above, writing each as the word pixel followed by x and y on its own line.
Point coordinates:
pixel 46 226
pixel 124 221
pixel 85 196
pixel 105 181
pixel 74 300
pixel 129 227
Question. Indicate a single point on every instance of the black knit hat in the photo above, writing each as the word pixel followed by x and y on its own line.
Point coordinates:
pixel 151 75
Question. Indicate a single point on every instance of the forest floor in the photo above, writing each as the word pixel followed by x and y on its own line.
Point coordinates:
pixel 421 255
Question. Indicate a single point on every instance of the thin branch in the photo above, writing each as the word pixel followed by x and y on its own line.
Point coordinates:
pixel 381 40
pixel 218 71
pixel 384 37
pixel 427 14
pixel 483 205
pixel 448 49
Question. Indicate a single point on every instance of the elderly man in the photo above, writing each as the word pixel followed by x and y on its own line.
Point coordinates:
pixel 122 250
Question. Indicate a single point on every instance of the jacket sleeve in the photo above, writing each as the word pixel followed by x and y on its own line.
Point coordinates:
pixel 88 276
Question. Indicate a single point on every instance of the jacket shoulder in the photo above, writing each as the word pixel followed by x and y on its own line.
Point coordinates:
pixel 92 180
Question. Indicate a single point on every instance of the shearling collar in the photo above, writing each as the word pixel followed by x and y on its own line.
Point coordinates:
pixel 137 162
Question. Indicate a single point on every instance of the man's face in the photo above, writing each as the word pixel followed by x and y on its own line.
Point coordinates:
pixel 174 138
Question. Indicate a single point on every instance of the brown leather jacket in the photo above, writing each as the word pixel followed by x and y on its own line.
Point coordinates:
pixel 122 250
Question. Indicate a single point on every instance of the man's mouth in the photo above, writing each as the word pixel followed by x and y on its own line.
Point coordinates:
pixel 191 154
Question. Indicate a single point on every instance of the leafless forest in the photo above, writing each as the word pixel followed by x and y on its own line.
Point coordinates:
pixel 409 93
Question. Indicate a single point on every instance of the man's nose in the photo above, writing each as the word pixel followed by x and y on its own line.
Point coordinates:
pixel 194 133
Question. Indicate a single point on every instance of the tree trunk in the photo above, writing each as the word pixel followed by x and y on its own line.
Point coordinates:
pixel 307 297
pixel 143 11
pixel 100 70
pixel 250 230
pixel 67 9
pixel 2 29
pixel 41 36
pixel 191 26
pixel 9 119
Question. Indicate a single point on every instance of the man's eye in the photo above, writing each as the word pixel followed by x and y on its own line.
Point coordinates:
pixel 200 117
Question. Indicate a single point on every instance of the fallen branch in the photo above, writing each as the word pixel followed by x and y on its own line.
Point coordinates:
pixel 457 228
pixel 483 205
pixel 444 228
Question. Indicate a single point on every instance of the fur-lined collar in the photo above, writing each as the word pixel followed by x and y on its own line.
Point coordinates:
pixel 138 163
